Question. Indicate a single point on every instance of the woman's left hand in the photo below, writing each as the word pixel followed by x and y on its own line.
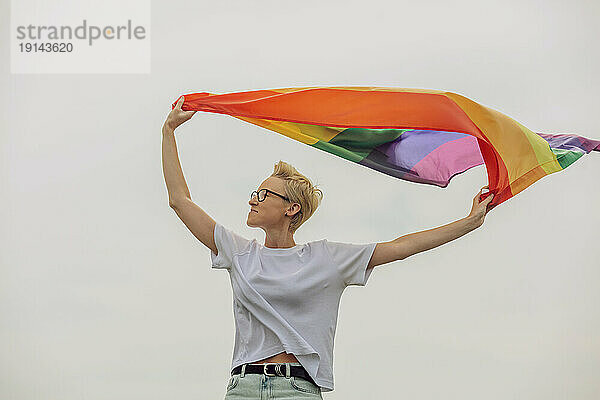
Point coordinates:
pixel 479 209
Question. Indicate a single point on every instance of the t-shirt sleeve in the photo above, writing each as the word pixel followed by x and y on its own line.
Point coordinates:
pixel 351 261
pixel 228 244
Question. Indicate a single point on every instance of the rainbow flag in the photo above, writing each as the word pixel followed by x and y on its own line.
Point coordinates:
pixel 419 135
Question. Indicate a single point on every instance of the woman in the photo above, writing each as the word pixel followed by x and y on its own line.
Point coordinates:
pixel 286 295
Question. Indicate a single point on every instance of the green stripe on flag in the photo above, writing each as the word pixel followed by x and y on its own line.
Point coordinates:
pixel 566 157
pixel 355 144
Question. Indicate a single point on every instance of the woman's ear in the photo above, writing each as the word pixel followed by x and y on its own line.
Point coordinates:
pixel 295 208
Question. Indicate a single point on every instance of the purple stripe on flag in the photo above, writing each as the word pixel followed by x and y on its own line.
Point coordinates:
pixel 571 142
pixel 412 146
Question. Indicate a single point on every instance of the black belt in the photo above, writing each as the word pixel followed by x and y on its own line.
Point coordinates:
pixel 274 369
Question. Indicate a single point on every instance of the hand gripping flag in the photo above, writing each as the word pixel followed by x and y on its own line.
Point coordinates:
pixel 419 135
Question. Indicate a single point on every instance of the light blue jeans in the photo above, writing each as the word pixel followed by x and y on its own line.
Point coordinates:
pixel 244 386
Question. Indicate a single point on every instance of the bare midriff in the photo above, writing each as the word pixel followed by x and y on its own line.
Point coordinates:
pixel 279 358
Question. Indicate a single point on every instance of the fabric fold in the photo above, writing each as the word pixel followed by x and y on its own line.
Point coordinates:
pixel 260 309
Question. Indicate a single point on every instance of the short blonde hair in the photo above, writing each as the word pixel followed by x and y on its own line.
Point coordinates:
pixel 299 189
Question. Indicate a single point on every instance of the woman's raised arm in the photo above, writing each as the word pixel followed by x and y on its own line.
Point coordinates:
pixel 413 243
pixel 197 220
pixel 176 186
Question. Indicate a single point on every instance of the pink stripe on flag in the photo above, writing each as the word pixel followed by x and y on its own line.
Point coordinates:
pixel 449 159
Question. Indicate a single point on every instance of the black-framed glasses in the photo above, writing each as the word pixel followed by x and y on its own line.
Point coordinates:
pixel 261 195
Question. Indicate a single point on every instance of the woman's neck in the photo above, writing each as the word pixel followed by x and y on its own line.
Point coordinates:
pixel 279 240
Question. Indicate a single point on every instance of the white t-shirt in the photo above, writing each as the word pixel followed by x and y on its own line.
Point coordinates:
pixel 287 299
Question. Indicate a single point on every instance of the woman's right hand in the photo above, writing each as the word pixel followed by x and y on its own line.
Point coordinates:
pixel 177 116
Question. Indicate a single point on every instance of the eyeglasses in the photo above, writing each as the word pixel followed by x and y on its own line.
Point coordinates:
pixel 262 195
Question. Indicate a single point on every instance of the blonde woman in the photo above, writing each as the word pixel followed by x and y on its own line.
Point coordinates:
pixel 286 295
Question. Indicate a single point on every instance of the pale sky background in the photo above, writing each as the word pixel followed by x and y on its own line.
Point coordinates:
pixel 105 294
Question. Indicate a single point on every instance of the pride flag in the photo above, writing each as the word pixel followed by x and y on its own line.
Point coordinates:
pixel 419 135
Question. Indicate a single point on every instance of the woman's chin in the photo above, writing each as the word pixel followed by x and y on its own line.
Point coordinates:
pixel 250 221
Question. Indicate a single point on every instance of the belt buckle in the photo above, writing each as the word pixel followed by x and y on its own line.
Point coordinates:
pixel 277 369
